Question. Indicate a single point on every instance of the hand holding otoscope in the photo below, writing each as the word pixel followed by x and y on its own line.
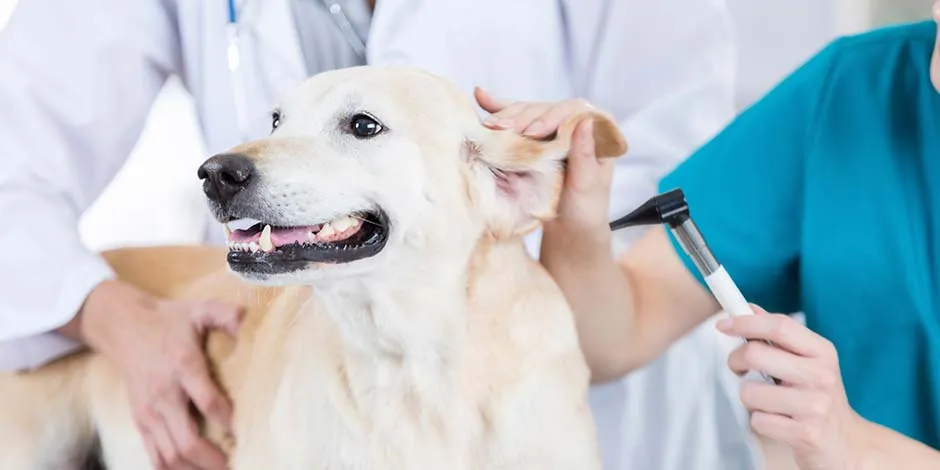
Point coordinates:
pixel 670 208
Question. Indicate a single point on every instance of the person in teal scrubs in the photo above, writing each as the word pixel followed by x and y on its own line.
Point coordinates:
pixel 824 198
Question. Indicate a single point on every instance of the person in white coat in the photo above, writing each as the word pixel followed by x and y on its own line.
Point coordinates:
pixel 77 80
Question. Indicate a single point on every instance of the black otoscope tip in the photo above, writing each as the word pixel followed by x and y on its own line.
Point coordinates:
pixel 669 208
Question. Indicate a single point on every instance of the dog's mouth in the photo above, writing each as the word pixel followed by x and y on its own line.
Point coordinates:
pixel 262 248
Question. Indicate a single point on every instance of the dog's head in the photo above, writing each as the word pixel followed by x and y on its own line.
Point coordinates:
pixel 375 166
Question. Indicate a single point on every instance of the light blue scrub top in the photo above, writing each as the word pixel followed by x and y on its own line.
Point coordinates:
pixel 824 197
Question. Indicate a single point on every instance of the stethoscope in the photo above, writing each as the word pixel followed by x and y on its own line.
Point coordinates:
pixel 234 53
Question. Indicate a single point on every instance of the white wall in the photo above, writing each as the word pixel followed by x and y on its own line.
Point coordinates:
pixel 776 36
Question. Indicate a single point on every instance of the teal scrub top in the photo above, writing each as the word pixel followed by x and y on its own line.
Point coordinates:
pixel 824 197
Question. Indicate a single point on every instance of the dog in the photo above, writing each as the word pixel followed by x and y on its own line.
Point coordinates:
pixel 393 318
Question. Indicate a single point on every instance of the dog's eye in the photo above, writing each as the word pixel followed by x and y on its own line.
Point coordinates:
pixel 275 120
pixel 364 126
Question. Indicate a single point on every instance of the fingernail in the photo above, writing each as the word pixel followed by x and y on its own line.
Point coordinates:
pixel 587 143
pixel 534 129
pixel 506 123
pixel 724 324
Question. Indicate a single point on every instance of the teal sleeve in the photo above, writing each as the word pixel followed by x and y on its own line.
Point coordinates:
pixel 744 188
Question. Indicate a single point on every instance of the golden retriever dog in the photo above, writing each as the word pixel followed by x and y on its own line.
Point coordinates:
pixel 394 319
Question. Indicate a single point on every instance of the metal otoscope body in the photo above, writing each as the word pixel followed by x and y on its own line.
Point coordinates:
pixel 670 208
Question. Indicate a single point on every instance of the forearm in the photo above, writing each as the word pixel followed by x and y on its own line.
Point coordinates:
pixel 884 448
pixel 628 308
pixel 598 291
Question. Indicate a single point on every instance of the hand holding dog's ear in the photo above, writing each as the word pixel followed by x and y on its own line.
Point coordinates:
pixel 158 346
pixel 586 134
pixel 543 120
pixel 536 120
pixel 585 197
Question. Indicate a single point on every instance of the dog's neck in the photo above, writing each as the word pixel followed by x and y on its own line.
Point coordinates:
pixel 411 312
pixel 416 310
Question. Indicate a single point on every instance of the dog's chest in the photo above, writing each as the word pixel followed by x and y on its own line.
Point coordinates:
pixel 331 412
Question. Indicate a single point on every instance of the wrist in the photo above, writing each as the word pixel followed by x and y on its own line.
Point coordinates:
pixel 100 321
pixel 576 247
pixel 863 446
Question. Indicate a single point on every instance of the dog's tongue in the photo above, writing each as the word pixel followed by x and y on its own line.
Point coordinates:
pixel 279 236
pixel 286 236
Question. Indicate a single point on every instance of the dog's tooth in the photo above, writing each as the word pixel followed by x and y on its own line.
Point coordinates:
pixel 344 224
pixel 311 236
pixel 243 246
pixel 325 231
pixel 253 247
pixel 265 242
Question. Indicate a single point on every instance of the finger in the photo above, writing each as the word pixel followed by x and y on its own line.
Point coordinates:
pixel 528 116
pixel 488 102
pixel 794 370
pixel 606 167
pixel 795 434
pixel 582 164
pixel 209 400
pixel 191 447
pixel 786 401
pixel 169 457
pixel 552 119
pixel 505 118
pixel 150 446
pixel 782 330
pixel 218 315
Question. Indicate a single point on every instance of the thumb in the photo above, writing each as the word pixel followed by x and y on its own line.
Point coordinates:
pixel 582 163
pixel 488 102
pixel 219 315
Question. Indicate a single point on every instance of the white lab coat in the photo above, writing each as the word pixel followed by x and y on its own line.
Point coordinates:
pixel 77 79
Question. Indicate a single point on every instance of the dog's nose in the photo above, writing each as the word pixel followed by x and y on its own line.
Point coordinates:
pixel 225 175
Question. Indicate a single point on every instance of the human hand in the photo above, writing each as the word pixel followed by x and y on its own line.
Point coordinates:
pixel 585 198
pixel 158 346
pixel 808 411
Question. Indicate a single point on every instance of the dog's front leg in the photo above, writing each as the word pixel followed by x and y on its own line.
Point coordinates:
pixel 543 423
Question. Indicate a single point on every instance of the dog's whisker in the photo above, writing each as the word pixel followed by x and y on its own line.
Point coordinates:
pixel 363 219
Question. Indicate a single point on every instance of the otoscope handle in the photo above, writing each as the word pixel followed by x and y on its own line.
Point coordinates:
pixel 727 293
pixel 671 209
pixel 733 302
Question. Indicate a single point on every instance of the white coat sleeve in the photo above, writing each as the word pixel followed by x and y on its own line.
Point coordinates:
pixel 77 81
pixel 666 69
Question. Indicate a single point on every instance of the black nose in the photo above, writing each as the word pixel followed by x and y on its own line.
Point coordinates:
pixel 225 175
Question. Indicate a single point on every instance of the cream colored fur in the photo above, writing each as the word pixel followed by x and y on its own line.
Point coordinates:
pixel 450 349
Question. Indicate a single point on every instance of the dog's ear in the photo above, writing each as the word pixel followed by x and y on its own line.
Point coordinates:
pixel 520 179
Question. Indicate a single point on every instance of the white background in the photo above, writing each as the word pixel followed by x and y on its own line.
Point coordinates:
pixel 156 199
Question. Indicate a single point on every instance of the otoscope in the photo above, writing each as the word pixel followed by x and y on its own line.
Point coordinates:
pixel 670 208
